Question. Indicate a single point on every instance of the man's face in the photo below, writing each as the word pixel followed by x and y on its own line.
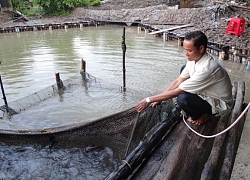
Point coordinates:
pixel 192 53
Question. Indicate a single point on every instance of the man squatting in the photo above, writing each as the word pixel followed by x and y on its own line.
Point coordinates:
pixel 203 87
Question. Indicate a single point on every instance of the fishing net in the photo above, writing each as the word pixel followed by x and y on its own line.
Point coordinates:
pixel 120 131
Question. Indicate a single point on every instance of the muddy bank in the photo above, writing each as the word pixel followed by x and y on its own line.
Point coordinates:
pixel 204 19
pixel 4 17
pixel 209 18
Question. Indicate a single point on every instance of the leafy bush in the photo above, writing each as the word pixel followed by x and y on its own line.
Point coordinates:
pixel 55 7
pixel 60 6
pixel 26 7
pixel 18 4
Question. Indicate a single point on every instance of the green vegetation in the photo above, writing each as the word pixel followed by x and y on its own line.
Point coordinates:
pixel 27 7
pixel 52 7
pixel 59 7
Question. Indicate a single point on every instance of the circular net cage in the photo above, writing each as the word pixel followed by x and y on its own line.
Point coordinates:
pixel 121 131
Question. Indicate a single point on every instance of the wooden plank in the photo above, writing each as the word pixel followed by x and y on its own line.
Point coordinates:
pixel 22 15
pixel 233 5
pixel 179 156
pixel 169 29
pixel 212 164
pixel 231 148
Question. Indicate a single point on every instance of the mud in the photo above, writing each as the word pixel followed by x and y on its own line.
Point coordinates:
pixel 209 18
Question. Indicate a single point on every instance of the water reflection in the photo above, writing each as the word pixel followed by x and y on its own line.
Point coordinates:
pixel 31 59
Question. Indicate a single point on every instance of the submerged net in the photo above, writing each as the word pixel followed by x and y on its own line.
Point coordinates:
pixel 120 131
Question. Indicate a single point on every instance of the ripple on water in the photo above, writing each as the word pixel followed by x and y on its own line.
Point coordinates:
pixel 78 103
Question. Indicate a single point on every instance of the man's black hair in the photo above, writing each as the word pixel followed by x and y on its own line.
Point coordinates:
pixel 198 37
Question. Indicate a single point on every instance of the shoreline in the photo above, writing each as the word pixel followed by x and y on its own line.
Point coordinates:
pixel 153 18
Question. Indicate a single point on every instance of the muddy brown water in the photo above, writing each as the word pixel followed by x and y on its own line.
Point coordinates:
pixel 29 63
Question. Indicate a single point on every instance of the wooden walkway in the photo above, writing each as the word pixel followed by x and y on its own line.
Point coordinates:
pixel 169 29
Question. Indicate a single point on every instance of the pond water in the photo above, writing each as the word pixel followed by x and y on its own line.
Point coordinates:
pixel 29 63
pixel 31 59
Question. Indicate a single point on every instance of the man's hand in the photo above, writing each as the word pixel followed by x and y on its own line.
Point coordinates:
pixel 142 105
pixel 155 103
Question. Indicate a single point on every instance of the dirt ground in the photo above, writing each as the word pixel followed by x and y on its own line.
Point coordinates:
pixel 4 17
pixel 204 16
pixel 114 5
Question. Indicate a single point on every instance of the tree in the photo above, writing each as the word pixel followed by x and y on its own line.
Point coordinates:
pixel 57 6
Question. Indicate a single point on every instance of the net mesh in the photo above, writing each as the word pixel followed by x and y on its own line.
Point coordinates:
pixel 121 131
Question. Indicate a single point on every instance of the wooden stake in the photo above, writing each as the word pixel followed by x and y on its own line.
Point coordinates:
pixel 59 82
pixel 57 77
pixel 83 69
pixel 83 66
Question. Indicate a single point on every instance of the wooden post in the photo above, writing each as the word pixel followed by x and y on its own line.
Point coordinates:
pixel 248 63
pixel 234 54
pixel 244 59
pixel 212 50
pixel 139 28
pixel 180 42
pixel 231 57
pixel 239 59
pixel 57 77
pixel 164 36
pixel 225 49
pixel 208 49
pixel 216 52
pixel 83 66
pixel 83 69
pixel 124 51
pixel 59 82
pixel 17 29
pixel 4 97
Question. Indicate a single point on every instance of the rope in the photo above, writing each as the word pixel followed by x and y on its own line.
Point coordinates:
pixel 127 164
pixel 222 132
pixel 131 135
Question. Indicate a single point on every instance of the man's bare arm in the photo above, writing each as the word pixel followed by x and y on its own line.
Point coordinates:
pixel 175 83
pixel 166 95
pixel 172 91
